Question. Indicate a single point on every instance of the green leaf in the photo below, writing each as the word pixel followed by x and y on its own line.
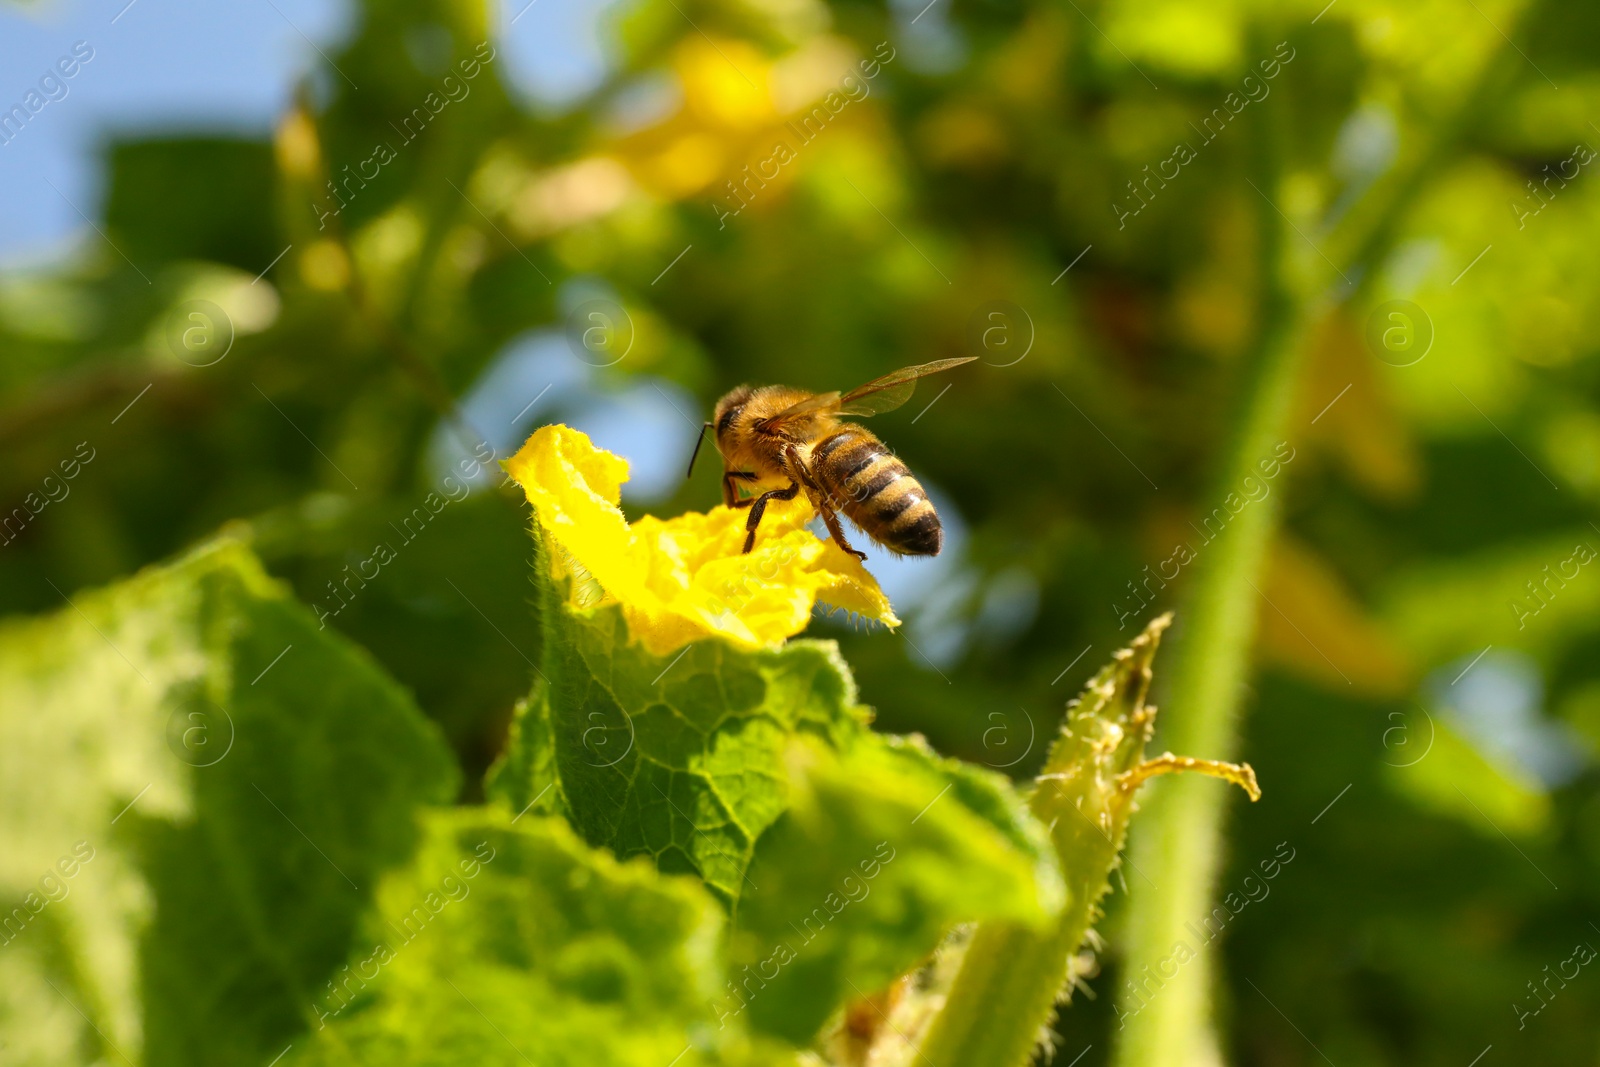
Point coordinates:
pixel 883 852
pixel 202 198
pixel 1454 778
pixel 677 757
pixel 198 791
pixel 509 942
pixel 757 771
pixel 441 617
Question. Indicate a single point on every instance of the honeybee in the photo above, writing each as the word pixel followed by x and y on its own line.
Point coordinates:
pixel 777 433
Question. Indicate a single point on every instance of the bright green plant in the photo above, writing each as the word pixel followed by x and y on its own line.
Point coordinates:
pixel 703 856
pixel 1164 331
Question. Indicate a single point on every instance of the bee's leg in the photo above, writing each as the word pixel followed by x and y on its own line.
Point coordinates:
pixel 798 471
pixel 837 530
pixel 759 507
pixel 729 493
pixel 822 499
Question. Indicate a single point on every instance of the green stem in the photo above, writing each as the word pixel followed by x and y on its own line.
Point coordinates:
pixel 1011 976
pixel 1177 845
pixel 1002 997
pixel 1167 1022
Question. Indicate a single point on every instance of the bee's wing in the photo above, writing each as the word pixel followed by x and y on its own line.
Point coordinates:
pixel 876 397
pixel 816 402
pixel 893 389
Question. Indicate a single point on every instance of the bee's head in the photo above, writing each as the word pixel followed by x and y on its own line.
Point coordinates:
pixel 728 409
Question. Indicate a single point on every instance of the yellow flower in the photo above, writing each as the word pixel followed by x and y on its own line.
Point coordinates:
pixel 685 578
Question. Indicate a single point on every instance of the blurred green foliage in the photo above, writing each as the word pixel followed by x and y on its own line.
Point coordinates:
pixel 987 156
pixel 210 904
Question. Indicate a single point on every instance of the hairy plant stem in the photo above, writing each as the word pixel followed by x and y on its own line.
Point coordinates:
pixel 1167 1022
pixel 1011 976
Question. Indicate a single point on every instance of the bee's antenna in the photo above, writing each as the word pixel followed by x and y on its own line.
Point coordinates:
pixel 698 441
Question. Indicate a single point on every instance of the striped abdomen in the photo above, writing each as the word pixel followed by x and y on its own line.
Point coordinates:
pixel 875 491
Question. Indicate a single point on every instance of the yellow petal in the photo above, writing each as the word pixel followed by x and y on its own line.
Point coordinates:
pixel 687 577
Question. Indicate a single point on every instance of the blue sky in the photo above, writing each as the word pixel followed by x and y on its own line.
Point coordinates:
pixel 188 65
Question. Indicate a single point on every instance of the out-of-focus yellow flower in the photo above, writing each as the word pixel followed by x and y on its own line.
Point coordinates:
pixel 685 578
